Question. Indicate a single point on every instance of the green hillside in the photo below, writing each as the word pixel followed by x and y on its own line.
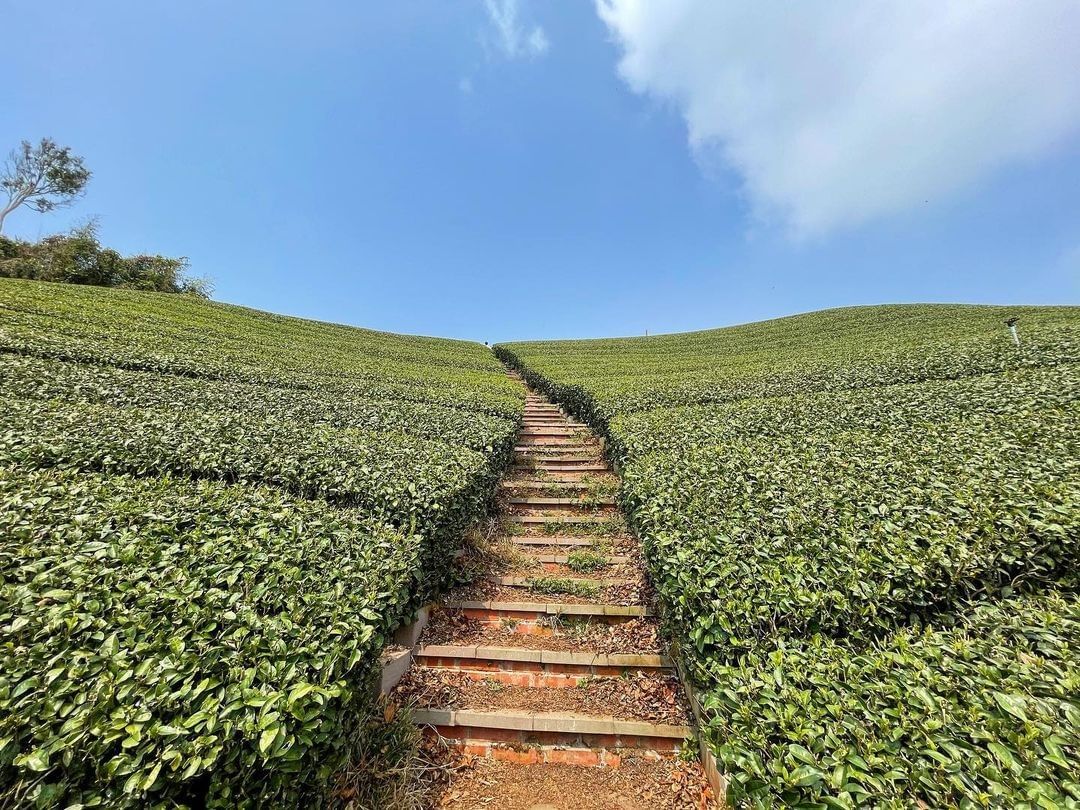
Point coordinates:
pixel 863 526
pixel 212 520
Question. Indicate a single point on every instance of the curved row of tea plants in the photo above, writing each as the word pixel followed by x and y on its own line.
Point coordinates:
pixel 837 510
pixel 197 338
pixel 167 640
pixel 212 519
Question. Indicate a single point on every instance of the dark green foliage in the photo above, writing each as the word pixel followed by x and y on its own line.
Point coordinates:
pixel 187 337
pixel 32 378
pixel 842 509
pixel 986 713
pixel 210 521
pixel 160 633
pixel 848 515
pixel 78 258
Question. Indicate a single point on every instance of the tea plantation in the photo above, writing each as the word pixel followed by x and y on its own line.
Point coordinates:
pixel 211 520
pixel 864 529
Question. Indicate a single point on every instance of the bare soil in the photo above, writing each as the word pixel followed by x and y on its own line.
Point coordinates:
pixel 633 594
pixel 652 698
pixel 639 636
pixel 637 784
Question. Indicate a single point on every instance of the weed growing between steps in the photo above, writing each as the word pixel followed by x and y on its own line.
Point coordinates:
pixel 585 561
pixel 390 764
pixel 559 585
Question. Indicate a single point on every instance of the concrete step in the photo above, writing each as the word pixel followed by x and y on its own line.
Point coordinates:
pixel 561 451
pixel 551 732
pixel 532 440
pixel 541 501
pixel 549 476
pixel 561 466
pixel 559 461
pixel 525 582
pixel 554 442
pixel 544 460
pixel 554 540
pixel 539 484
pixel 537 668
pixel 570 510
pixel 498 613
pixel 548 558
pixel 578 519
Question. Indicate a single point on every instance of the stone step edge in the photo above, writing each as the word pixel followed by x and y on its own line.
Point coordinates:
pixel 542 500
pixel 559 518
pixel 563 559
pixel 552 467
pixel 562 658
pixel 529 540
pixel 557 722
pixel 536 483
pixel 561 466
pixel 560 450
pixel 525 582
pixel 553 608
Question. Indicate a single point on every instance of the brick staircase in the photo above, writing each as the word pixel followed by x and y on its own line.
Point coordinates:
pixel 548 669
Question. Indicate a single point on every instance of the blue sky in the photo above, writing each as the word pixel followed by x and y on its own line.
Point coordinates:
pixel 507 170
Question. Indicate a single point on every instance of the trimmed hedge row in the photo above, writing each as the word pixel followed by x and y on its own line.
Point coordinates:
pixel 427 487
pixel 63 382
pixel 194 338
pixel 859 347
pixel 837 510
pixel 214 518
pixel 983 714
pixel 165 641
pixel 814 521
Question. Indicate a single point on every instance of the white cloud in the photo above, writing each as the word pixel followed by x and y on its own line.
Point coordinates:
pixel 840 112
pixel 513 38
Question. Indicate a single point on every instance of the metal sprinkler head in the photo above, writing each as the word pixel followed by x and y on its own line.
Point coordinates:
pixel 1011 323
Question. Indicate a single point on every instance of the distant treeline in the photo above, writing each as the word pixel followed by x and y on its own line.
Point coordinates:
pixel 78 258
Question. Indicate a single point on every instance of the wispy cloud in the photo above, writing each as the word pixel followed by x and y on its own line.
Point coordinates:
pixel 838 113
pixel 513 38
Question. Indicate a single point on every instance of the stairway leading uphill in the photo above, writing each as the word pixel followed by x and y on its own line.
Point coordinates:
pixel 546 673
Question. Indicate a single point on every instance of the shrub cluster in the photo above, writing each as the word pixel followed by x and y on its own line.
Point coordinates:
pixel 840 510
pixel 79 258
pixel 211 519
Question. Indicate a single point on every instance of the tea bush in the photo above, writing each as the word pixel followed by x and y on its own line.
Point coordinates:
pixel 158 630
pixel 211 519
pixel 836 508
pixel 982 713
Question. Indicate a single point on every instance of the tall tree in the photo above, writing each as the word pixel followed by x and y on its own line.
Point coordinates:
pixel 42 177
